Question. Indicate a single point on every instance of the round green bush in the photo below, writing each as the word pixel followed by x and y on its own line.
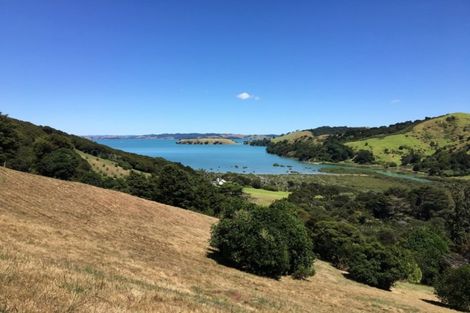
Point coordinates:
pixel 375 265
pixel 265 241
pixel 453 288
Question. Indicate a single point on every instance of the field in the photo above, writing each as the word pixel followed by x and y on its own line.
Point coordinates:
pixel 448 130
pixel 70 247
pixel 264 197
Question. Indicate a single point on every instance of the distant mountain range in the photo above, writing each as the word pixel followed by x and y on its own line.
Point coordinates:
pixel 179 136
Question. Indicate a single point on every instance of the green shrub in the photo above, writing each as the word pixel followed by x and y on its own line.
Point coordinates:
pixel 374 265
pixel 333 239
pixel 453 288
pixel 265 241
pixel 364 157
pixel 62 163
pixel 429 250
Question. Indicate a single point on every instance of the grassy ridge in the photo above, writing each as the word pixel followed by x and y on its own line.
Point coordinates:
pixel 452 130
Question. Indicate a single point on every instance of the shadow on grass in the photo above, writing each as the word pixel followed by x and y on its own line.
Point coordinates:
pixel 438 303
pixel 216 256
pixel 348 276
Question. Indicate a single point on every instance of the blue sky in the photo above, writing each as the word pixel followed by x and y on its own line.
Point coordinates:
pixel 137 67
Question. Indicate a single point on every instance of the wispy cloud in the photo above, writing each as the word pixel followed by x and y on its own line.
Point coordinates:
pixel 395 101
pixel 246 96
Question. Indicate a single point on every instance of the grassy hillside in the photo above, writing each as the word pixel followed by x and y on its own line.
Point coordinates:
pixel 103 166
pixel 70 247
pixel 293 136
pixel 452 130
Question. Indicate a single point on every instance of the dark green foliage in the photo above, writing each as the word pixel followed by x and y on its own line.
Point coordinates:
pixel 375 265
pixel 428 202
pixel 429 250
pixel 8 139
pixel 459 223
pixel 231 189
pixel 364 157
pixel 139 185
pixel 62 163
pixel 330 150
pixel 265 241
pixel 379 204
pixel 446 163
pixel 258 142
pixel 453 288
pixel 412 158
pixel 333 241
pixel 174 187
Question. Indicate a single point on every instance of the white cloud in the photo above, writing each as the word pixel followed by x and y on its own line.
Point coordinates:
pixel 395 101
pixel 247 96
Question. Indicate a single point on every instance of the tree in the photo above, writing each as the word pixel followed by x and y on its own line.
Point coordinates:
pixel 265 241
pixel 429 250
pixel 379 204
pixel 139 185
pixel 364 157
pixel 174 187
pixel 412 157
pixel 375 265
pixel 428 202
pixel 453 288
pixel 332 240
pixel 62 163
pixel 8 140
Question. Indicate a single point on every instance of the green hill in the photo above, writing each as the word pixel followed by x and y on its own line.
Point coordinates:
pixel 448 131
pixel 439 146
pixel 294 136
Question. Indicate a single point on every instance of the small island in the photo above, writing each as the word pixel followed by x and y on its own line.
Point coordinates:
pixel 206 141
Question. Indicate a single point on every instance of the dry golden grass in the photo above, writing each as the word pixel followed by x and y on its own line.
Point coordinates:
pixel 70 247
pixel 293 136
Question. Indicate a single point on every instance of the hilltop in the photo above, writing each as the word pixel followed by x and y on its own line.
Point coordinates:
pixel 71 247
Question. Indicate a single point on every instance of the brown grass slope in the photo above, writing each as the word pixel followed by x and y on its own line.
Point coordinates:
pixel 70 247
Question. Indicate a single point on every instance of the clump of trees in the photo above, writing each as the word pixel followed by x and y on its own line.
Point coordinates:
pixel 381 237
pixel 364 157
pixel 453 288
pixel 444 162
pixel 429 250
pixel 376 265
pixel 331 150
pixel 266 241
